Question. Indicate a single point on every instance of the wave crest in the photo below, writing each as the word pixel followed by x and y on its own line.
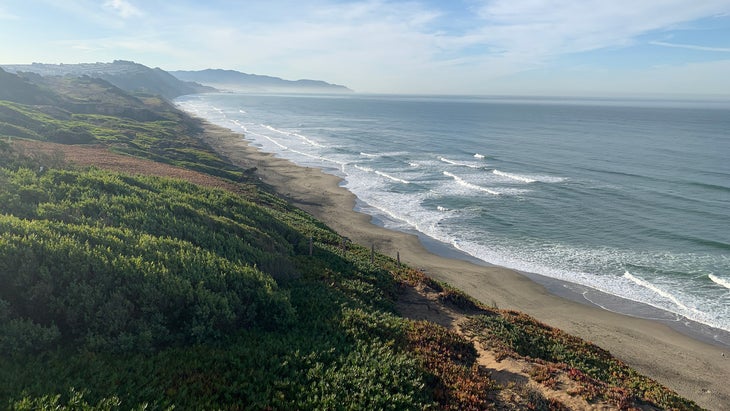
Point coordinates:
pixel 720 281
pixel 467 184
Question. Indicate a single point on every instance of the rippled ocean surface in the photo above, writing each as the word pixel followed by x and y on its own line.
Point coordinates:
pixel 631 198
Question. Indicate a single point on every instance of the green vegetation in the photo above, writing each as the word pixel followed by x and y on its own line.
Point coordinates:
pixel 131 292
pixel 86 110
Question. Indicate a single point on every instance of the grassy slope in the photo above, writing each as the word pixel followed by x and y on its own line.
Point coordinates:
pixel 147 290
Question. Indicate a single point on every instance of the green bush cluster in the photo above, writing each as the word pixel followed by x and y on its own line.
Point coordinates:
pixel 157 291
pixel 111 289
pixel 125 263
pixel 211 219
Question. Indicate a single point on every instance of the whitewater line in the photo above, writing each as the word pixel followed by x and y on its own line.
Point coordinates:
pixel 269 138
pixel 513 176
pixel 719 281
pixel 657 290
pixel 288 133
pixel 308 140
pixel 457 163
pixel 382 174
pixel 467 184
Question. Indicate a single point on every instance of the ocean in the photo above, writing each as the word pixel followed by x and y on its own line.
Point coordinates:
pixel 624 198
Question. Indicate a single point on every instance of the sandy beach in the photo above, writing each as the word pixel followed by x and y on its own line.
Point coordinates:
pixel 696 370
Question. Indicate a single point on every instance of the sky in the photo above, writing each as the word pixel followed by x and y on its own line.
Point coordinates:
pixel 483 47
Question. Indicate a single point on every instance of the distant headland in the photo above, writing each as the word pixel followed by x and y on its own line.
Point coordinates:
pixel 237 81
pixel 135 77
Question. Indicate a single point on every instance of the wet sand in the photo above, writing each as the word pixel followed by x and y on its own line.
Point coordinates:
pixel 695 369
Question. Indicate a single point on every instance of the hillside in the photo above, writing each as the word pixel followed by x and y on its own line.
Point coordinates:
pixel 237 81
pixel 146 279
pixel 14 88
pixel 126 75
pixel 93 111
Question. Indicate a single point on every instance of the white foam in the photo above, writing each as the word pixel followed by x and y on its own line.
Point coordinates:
pixel 388 176
pixel 291 134
pixel 467 184
pixel 656 289
pixel 369 155
pixel 382 174
pixel 342 164
pixel 459 163
pixel 242 112
pixel 282 146
pixel 477 155
pixel 528 178
pixel 720 281
pixel 511 176
pixel 308 140
pixel 442 208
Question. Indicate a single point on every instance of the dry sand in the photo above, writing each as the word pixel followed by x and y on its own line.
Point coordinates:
pixel 694 369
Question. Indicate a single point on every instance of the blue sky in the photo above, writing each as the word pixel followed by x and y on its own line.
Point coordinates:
pixel 522 47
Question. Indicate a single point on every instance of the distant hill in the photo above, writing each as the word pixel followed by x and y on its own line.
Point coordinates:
pixel 62 95
pixel 237 81
pixel 126 75
pixel 74 110
pixel 20 90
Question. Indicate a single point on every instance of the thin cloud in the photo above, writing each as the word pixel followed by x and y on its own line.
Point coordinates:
pixel 139 44
pixel 124 8
pixel 690 46
pixel 374 45
pixel 5 15
pixel 541 29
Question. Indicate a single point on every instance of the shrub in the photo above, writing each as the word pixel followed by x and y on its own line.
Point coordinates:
pixel 111 289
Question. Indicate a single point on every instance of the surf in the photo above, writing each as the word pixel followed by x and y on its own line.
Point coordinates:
pixel 467 184
pixel 458 163
pixel 292 134
pixel 382 174
pixel 720 281
pixel 656 290
pixel 513 176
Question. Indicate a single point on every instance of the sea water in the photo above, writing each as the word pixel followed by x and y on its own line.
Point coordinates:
pixel 630 198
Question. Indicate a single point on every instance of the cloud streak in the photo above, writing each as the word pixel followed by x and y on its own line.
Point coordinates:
pixel 401 44
pixel 691 46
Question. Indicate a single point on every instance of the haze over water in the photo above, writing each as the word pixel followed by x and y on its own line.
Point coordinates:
pixel 631 198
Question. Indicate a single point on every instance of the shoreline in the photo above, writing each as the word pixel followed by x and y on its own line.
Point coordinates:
pixel 693 368
pixel 582 294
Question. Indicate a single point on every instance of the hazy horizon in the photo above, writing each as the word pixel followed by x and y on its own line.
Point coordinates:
pixel 662 49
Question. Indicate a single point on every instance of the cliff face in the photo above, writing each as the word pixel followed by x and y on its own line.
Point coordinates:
pixel 126 75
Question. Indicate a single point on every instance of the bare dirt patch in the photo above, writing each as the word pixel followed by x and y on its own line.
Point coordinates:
pixel 517 377
pixel 99 156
